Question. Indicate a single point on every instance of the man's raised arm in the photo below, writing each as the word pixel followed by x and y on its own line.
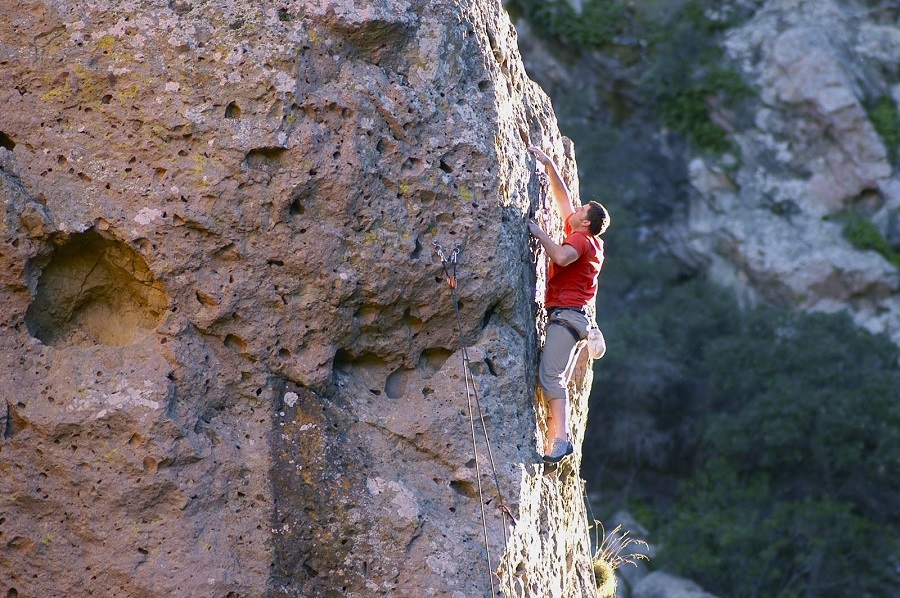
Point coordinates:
pixel 557 186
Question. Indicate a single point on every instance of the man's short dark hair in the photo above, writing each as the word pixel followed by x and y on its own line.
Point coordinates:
pixel 598 217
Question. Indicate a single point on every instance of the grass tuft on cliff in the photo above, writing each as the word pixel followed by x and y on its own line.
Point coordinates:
pixel 886 119
pixel 865 236
pixel 611 555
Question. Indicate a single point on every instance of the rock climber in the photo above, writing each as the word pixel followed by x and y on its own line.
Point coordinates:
pixel 571 288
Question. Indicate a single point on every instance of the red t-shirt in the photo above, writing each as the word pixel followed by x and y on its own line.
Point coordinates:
pixel 575 285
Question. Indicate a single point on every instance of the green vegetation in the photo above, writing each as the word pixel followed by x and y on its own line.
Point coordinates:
pixel 744 541
pixel 865 236
pixel 886 120
pixel 597 24
pixel 688 79
pixel 767 441
pixel 799 460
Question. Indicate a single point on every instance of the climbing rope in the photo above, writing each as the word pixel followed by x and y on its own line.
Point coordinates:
pixel 592 523
pixel 449 263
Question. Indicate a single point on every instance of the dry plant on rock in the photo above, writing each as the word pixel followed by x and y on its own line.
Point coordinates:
pixel 609 557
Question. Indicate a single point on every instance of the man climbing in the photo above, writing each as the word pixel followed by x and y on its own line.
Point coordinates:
pixel 571 288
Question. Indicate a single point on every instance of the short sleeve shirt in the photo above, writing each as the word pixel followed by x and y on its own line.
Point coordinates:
pixel 575 285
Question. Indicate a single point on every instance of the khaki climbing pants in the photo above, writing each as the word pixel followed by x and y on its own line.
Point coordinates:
pixel 560 352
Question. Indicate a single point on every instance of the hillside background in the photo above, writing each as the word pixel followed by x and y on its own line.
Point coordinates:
pixel 748 410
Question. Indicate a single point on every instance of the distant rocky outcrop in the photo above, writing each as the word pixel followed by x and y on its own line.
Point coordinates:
pixel 230 360
pixel 812 151
pixel 663 585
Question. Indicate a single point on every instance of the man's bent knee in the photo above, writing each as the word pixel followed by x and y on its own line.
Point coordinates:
pixel 553 392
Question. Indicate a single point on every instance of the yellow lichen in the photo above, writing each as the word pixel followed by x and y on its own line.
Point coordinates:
pixel 89 86
pixel 56 93
pixel 129 93
pixel 199 163
pixel 106 42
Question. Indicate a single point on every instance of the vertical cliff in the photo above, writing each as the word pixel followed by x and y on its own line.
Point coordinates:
pixel 230 364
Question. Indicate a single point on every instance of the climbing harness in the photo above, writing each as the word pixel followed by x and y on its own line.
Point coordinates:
pixel 576 334
pixel 596 343
pixel 448 263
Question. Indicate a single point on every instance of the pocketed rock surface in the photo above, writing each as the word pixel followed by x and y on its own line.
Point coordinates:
pixel 230 363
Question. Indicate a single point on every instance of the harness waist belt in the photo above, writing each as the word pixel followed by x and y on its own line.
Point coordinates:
pixel 576 334
pixel 579 310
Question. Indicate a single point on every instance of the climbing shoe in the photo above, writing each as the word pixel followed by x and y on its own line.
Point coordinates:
pixel 561 448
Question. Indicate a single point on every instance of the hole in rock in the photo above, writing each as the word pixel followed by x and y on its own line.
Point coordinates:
pixel 6 141
pixel 264 158
pixel 433 359
pixel 14 422
pixel 95 291
pixel 232 110
pixel 492 368
pixel 488 314
pixel 296 207
pixel 412 167
pixel 395 386
pixel 236 343
pixel 463 488
pixel 417 251
pixel 367 370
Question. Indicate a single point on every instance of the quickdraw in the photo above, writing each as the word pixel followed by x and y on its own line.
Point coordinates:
pixel 451 276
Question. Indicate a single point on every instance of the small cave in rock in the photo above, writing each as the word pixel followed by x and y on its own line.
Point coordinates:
pixel 264 158
pixel 432 360
pixel 95 291
pixel 395 386
pixel 232 110
pixel 463 488
pixel 370 371
pixel 6 141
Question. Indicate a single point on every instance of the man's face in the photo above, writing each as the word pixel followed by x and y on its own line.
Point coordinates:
pixel 581 213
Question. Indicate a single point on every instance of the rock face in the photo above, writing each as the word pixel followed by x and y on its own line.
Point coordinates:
pixel 230 359
pixel 810 152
